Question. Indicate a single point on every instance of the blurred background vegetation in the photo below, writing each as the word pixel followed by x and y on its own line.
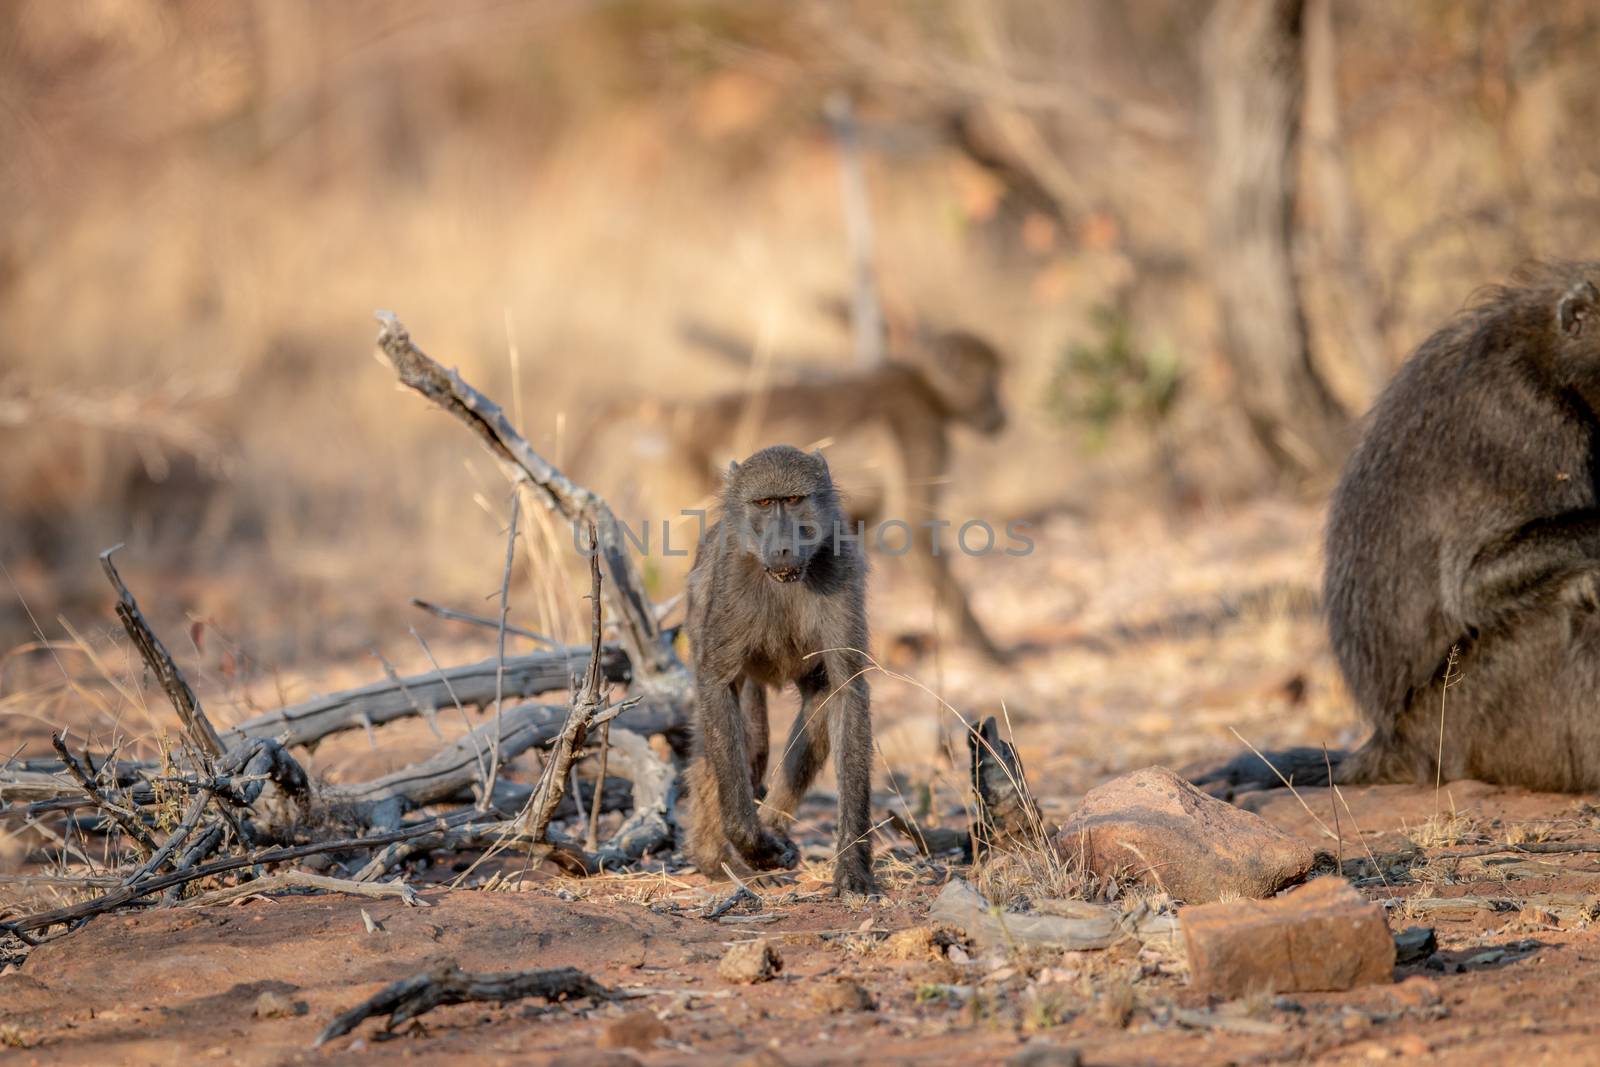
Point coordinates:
pixel 1202 234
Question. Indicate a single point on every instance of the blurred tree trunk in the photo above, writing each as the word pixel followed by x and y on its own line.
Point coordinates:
pixel 1352 291
pixel 1251 60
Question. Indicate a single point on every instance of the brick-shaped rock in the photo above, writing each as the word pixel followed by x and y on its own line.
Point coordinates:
pixel 1324 937
pixel 1154 826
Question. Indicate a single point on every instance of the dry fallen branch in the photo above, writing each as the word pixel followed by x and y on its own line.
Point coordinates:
pixel 386 701
pixel 161 663
pixel 449 984
pixel 158 883
pixel 657 669
pixel 121 814
pixel 455 766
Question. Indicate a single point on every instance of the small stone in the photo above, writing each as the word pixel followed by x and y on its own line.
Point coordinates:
pixel 1042 1055
pixel 638 1029
pixel 839 996
pixel 1155 827
pixel 1416 992
pixel 1325 937
pixel 1414 944
pixel 748 962
pixel 270 1005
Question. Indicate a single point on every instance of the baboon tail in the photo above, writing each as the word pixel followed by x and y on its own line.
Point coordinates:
pixel 1302 766
pixel 1374 762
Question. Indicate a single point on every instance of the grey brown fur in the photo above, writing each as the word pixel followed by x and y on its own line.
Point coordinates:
pixel 775 598
pixel 1468 519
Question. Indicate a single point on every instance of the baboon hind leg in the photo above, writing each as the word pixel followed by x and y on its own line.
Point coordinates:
pixel 705 840
pixel 804 754
pixel 953 607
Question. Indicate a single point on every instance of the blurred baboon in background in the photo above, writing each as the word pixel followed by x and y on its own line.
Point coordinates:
pixel 884 429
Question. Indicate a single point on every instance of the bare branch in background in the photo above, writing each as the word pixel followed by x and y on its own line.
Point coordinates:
pixel 866 310
pixel 160 662
pixel 655 664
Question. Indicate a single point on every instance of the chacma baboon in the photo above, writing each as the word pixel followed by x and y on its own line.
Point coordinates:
pixel 1463 549
pixel 886 431
pixel 777 594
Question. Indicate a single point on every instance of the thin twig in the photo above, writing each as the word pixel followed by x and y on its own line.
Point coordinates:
pixel 1444 692
pixel 483 766
pixel 592 842
pixel 175 840
pixel 1535 848
pixel 480 620
pixel 484 801
pixel 160 661
pixel 1285 781
pixel 1333 802
pixel 125 818
pixel 128 894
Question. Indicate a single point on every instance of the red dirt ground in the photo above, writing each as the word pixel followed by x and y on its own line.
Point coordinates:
pixel 165 986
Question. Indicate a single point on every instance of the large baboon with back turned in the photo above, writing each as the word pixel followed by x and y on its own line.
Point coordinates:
pixel 1463 547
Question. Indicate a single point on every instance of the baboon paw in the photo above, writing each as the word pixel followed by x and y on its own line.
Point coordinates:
pixel 854 878
pixel 771 852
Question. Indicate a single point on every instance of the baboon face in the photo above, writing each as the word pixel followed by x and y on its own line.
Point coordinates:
pixel 966 370
pixel 781 505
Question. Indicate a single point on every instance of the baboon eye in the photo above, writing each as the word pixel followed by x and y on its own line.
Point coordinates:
pixel 764 502
pixel 792 500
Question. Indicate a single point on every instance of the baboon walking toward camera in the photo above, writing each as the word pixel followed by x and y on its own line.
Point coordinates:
pixel 776 597
pixel 1463 544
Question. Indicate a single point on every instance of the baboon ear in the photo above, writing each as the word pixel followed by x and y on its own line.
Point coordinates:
pixel 1577 307
pixel 817 452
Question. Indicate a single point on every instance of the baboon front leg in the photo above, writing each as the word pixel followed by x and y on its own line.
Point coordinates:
pixel 753 705
pixel 725 761
pixel 851 727
pixel 1529 567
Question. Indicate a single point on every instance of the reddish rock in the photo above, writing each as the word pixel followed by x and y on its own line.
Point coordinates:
pixel 1325 937
pixel 1155 827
